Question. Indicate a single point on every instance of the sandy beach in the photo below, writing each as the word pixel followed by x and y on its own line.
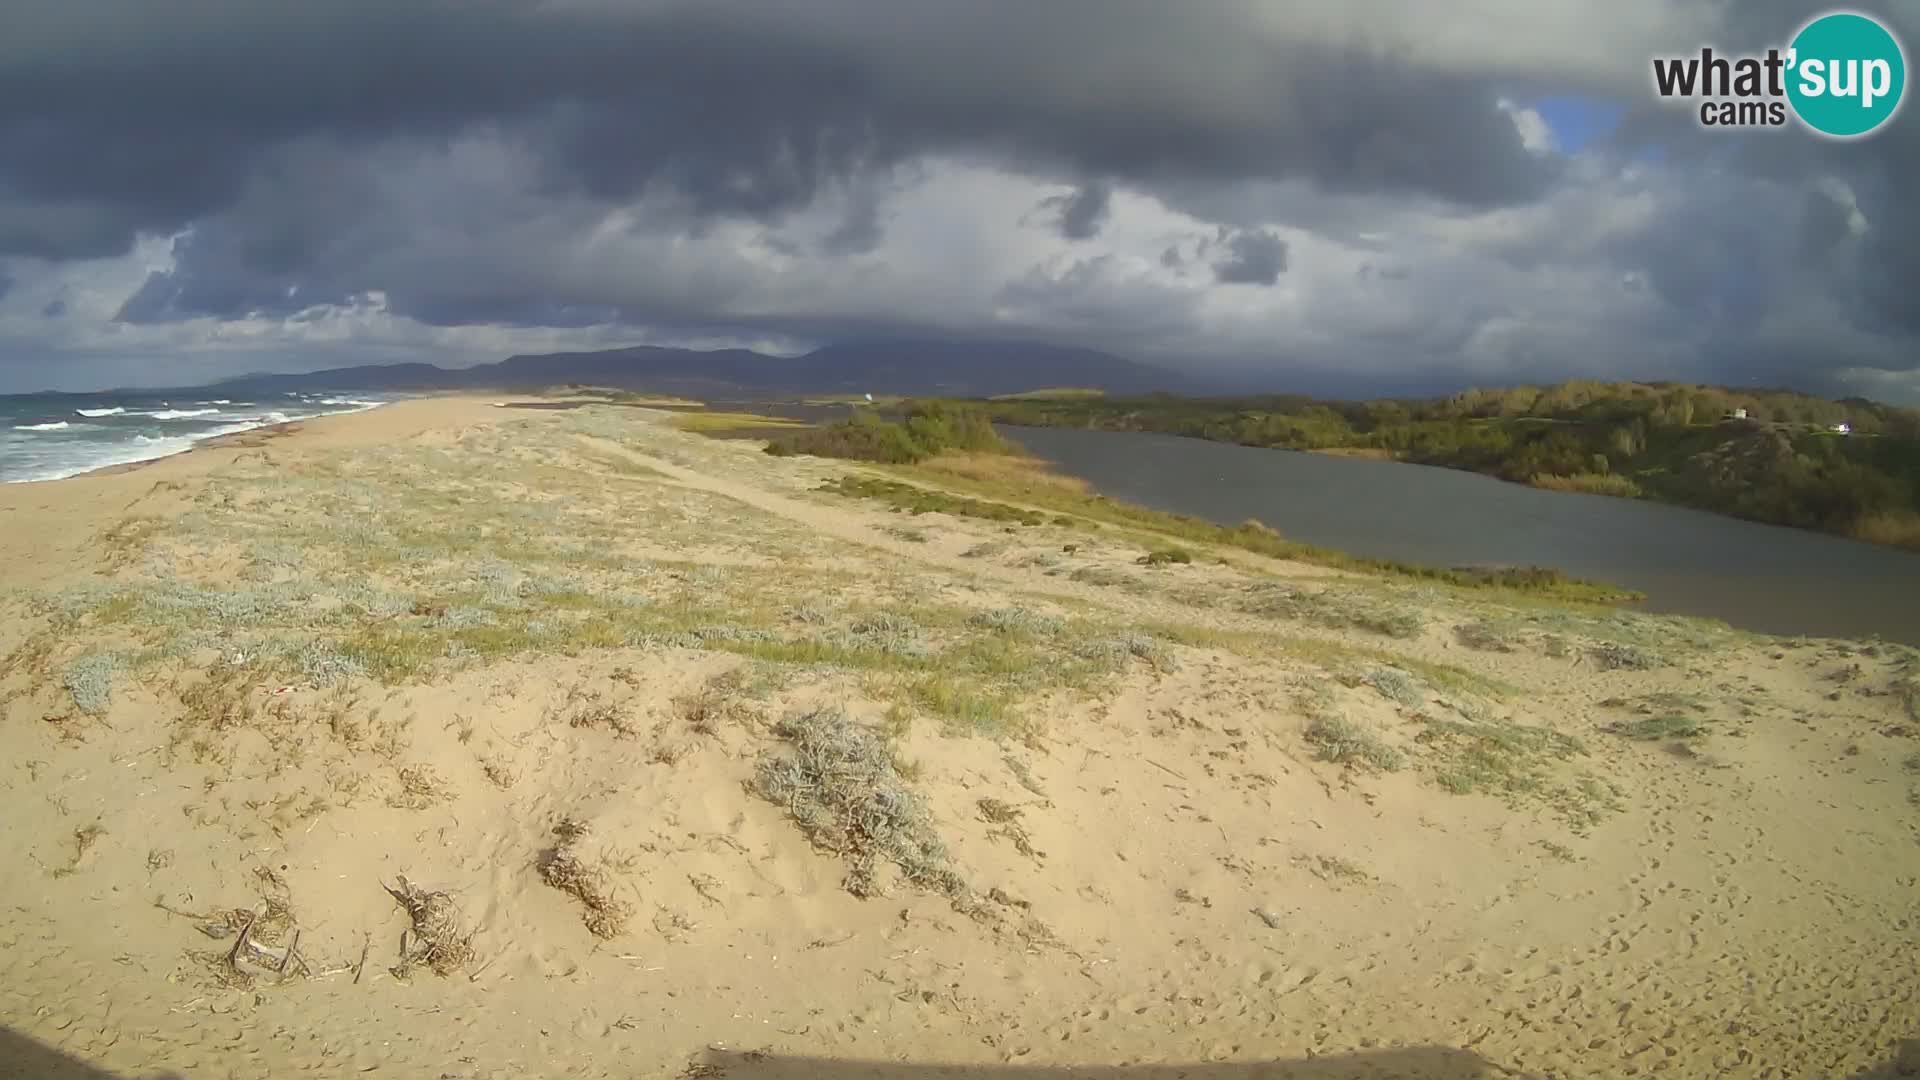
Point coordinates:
pixel 449 740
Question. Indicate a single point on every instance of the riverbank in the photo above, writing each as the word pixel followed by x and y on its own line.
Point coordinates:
pixel 1759 577
pixel 1845 468
pixel 607 707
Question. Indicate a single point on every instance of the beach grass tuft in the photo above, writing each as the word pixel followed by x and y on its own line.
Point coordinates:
pixel 838 781
pixel 1665 726
pixel 1342 741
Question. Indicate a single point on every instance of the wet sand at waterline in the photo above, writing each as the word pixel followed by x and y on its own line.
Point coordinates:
pixel 555 743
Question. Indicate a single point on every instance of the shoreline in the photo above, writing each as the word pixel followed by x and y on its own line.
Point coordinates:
pixel 248 439
pixel 256 437
pixel 228 439
pixel 1396 458
pixel 68 514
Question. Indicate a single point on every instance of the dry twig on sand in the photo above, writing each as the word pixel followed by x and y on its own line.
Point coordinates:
pixel 589 882
pixel 438 942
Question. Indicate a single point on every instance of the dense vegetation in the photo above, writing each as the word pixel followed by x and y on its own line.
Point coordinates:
pixel 1781 463
pixel 926 428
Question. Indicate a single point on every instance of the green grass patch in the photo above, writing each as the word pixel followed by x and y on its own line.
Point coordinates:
pixel 624 466
pixel 1673 700
pixel 1485 635
pixel 1397 686
pixel 967 708
pixel 1342 741
pixel 1447 677
pixel 812 652
pixel 707 423
pixel 1514 762
pixel 1017 622
pixel 1166 556
pixel 1333 607
pixel 1588 483
pixel 1061 393
pixel 1666 726
pixel 911 499
pixel 1240 642
pixel 117 610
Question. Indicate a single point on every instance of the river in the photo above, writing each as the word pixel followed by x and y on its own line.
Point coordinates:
pixel 1758 577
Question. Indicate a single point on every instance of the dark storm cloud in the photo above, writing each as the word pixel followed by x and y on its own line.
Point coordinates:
pixel 861 228
pixel 726 166
pixel 1098 301
pixel 63 229
pixel 133 116
pixel 1256 257
pixel 1081 214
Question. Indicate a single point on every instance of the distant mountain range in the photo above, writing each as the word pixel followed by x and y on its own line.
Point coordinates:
pixel 955 369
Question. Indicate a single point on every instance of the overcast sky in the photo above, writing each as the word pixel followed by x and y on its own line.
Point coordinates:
pixel 1402 191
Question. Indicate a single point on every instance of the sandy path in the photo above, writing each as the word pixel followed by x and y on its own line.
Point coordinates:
pixel 867 529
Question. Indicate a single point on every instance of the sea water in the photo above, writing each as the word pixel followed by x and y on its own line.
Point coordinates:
pixel 48 436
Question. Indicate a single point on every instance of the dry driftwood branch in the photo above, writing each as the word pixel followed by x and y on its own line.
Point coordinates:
pixel 288 957
pixel 239 946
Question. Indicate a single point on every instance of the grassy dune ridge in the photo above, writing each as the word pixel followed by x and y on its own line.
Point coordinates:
pixel 402 564
pixel 954 446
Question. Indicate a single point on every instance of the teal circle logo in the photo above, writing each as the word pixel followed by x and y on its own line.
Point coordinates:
pixel 1847 74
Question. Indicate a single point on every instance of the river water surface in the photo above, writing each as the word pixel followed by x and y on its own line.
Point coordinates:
pixel 1759 577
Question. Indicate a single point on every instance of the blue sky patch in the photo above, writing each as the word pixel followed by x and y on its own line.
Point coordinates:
pixel 1578 121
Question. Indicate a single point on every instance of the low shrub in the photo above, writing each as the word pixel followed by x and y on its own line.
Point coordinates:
pixel 1342 741
pixel 1668 726
pixel 926 429
pixel 841 787
pixel 1165 556
pixel 89 680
